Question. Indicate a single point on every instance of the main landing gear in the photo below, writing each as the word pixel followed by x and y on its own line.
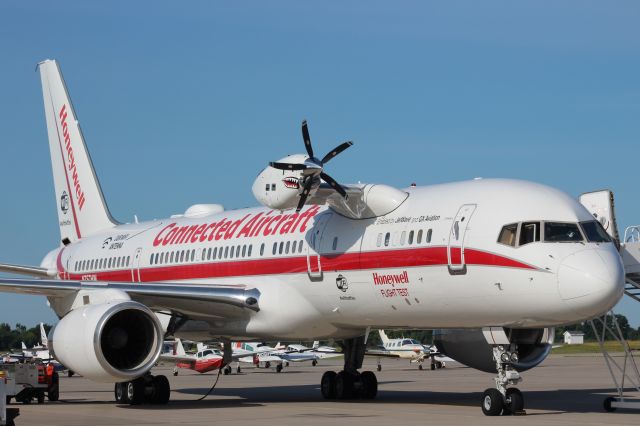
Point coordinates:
pixel 147 389
pixel 503 400
pixel 349 383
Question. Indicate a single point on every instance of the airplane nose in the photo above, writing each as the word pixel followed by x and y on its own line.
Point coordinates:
pixel 591 281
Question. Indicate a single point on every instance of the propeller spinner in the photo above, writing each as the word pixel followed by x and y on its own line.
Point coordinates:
pixel 313 168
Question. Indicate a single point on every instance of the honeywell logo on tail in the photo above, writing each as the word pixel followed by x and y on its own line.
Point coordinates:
pixel 71 162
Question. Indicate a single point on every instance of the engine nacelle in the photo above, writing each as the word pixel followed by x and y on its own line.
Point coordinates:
pixel 280 189
pixel 469 347
pixel 108 342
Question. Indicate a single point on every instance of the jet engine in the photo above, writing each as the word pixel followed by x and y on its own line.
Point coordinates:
pixel 469 347
pixel 108 342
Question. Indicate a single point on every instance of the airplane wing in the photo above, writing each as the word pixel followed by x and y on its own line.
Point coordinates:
pixel 198 301
pixel 380 353
pixel 176 358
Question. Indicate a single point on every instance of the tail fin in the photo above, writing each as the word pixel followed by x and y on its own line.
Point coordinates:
pixel 316 344
pixel 81 206
pixel 201 347
pixel 24 347
pixel 179 348
pixel 383 337
pixel 43 336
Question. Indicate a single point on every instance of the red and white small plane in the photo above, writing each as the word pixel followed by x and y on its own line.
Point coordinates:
pixel 493 264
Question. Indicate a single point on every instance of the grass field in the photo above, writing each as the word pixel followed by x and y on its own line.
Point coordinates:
pixel 593 347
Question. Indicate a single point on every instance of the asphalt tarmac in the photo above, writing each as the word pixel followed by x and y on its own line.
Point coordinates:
pixel 563 390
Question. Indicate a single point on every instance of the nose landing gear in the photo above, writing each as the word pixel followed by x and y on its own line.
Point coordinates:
pixel 503 400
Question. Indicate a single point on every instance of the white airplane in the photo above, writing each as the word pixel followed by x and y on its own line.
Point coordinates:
pixel 404 348
pixel 493 263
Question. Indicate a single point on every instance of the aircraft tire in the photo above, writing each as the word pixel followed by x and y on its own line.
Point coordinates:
pixel 328 385
pixel 161 390
pixel 607 405
pixel 344 385
pixel 279 368
pixel 314 362
pixel 433 366
pixel 238 370
pixel 227 370
pixel 379 367
pixel 40 397
pixel 175 373
pixel 419 366
pixel 135 391
pixel 514 403
pixel 492 402
pixel 70 373
pixel 267 364
pixel 369 385
pixel 120 393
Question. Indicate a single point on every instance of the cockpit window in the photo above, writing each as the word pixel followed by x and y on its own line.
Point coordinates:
pixel 529 233
pixel 561 232
pixel 508 234
pixel 594 232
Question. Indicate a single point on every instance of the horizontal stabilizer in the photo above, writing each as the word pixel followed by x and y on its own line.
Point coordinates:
pixel 33 271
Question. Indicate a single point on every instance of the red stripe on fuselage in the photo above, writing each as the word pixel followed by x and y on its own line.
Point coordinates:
pixel 406 258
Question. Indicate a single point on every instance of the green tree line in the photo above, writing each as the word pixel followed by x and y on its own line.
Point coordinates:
pixel 12 338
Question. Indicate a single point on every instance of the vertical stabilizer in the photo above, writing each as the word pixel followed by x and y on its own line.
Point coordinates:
pixel 43 336
pixel 80 203
pixel 383 337
pixel 23 346
pixel 179 348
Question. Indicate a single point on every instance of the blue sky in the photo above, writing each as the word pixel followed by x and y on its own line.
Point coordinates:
pixel 185 102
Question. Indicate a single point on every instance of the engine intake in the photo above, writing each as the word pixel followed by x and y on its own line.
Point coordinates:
pixel 469 347
pixel 109 342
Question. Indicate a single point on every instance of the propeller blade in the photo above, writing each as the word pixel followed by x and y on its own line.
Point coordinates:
pixel 335 185
pixel 337 150
pixel 306 138
pixel 287 166
pixel 305 194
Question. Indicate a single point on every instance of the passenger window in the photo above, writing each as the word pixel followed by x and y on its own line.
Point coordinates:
pixel 262 249
pixel 379 240
pixel 226 252
pixel 110 262
pixel 427 239
pixel 334 246
pixel 508 234
pixel 555 232
pixel 419 237
pixel 244 250
pixel 387 238
pixel 300 247
pixel 529 233
pixel 281 247
pixel 249 251
pixel 128 260
pixel 220 253
pixel 410 238
pixel 286 249
pixel 273 186
pixel 275 248
pixel 267 187
pixel 293 247
pixel 403 237
pixel 231 253
pixel 238 251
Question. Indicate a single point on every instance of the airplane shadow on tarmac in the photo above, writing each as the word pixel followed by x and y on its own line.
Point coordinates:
pixel 551 401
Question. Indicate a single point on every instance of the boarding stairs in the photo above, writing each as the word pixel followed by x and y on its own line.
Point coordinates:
pixel 624 370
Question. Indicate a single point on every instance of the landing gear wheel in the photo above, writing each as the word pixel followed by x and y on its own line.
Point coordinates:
pixel 227 370
pixel 492 402
pixel 120 393
pixel 238 370
pixel 379 367
pixel 135 391
pixel 433 366
pixel 344 385
pixel 267 364
pixel 514 403
pixel 40 397
pixel 419 366
pixel 607 405
pixel 53 392
pixel 369 385
pixel 314 362
pixel 278 368
pixel 161 390
pixel 70 373
pixel 328 385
